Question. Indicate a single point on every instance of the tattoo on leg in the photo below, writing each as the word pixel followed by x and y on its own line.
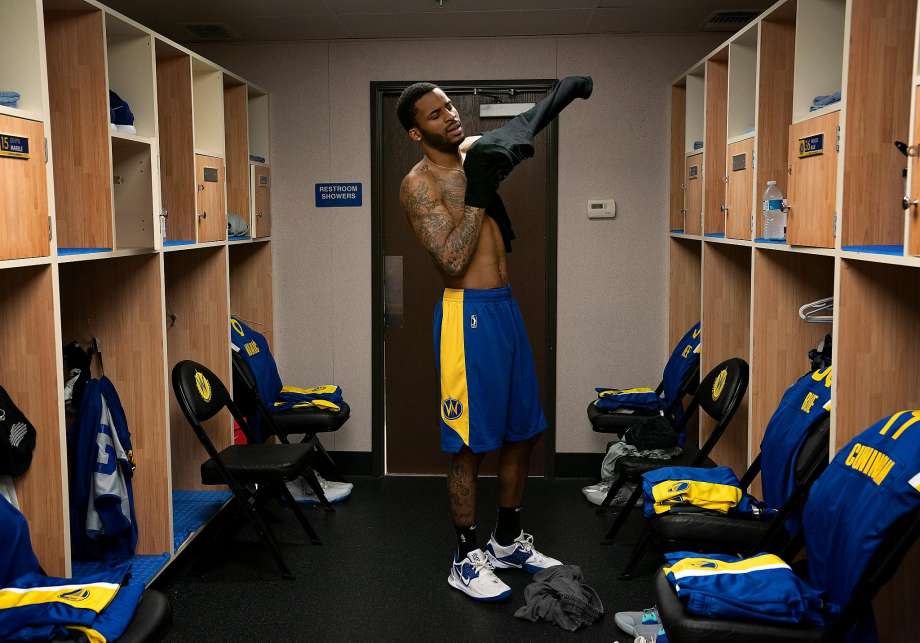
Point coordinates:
pixel 461 486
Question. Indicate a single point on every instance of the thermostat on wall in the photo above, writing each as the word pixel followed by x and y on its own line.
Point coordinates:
pixel 602 209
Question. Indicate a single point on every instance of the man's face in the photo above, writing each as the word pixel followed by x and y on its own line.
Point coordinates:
pixel 437 122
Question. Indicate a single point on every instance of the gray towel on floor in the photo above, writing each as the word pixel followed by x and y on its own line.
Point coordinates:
pixel 558 595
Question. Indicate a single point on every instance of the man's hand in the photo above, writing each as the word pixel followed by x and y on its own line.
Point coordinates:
pixel 451 244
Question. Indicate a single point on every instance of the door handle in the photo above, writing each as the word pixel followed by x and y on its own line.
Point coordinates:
pixel 393 291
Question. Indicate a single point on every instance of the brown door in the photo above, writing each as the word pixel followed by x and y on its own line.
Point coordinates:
pixel 812 181
pixel 693 179
pixel 23 189
pixel 212 216
pixel 261 200
pixel 739 189
pixel 412 394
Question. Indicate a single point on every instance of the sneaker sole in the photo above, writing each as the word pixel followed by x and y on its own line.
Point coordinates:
pixel 460 587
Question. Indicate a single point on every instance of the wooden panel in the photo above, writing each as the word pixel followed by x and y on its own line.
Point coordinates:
pixel 813 184
pixel 262 200
pixel 877 335
pixel 28 371
pixel 24 193
pixel 80 129
pixel 676 192
pixel 783 282
pixel 739 197
pixel 726 334
pixel 693 177
pixel 197 329
pixel 251 285
pixel 685 272
pixel 914 211
pixel 133 194
pixel 236 131
pixel 777 59
pixel 208 95
pixel 129 323
pixel 177 159
pixel 714 174
pixel 212 214
pixel 881 63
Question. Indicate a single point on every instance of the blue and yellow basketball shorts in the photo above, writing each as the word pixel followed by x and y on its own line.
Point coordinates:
pixel 489 391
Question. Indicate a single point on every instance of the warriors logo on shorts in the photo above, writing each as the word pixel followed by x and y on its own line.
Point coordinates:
pixel 451 409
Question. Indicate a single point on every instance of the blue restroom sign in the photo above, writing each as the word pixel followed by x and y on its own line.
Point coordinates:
pixel 338 195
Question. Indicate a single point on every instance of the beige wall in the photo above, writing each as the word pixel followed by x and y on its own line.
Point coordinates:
pixel 612 318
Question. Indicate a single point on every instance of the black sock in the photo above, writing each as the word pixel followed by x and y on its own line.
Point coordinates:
pixel 466 540
pixel 509 525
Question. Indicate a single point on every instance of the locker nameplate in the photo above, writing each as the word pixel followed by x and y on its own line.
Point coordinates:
pixel 14 147
pixel 263 180
pixel 739 162
pixel 211 174
pixel 693 172
pixel 811 146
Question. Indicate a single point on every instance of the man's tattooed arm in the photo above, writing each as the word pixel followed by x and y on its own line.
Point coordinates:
pixel 451 244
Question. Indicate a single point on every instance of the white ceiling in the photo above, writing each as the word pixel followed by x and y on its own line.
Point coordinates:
pixel 286 20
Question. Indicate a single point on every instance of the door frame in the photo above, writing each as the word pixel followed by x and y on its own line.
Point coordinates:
pixel 379 89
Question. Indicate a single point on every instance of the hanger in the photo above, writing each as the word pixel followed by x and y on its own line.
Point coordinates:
pixel 810 311
pixel 96 352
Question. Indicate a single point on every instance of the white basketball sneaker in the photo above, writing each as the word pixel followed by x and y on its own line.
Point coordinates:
pixel 474 577
pixel 520 554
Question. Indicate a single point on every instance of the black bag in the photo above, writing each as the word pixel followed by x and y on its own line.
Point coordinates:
pixel 655 432
pixel 17 438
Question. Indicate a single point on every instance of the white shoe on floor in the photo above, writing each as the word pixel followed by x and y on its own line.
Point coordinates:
pixel 520 554
pixel 334 491
pixel 474 576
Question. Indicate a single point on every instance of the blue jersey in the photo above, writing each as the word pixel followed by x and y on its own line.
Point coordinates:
pixel 327 397
pixel 16 556
pixel 686 356
pixel 253 348
pixel 715 488
pixel 761 587
pixel 871 483
pixel 611 399
pixel 802 407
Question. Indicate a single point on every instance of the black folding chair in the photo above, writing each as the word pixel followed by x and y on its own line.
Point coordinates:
pixel 255 473
pixel 700 530
pixel 719 395
pixel 306 422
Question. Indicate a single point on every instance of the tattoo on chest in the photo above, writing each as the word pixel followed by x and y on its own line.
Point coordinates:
pixel 453 192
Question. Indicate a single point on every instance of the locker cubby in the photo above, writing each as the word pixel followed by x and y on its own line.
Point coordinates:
pixel 819 41
pixel 693 193
pixel 676 183
pixel 684 275
pixel 259 129
pixel 176 134
pixel 132 186
pixel 880 64
pixel 196 329
pixel 21 57
pixel 75 47
pixel 129 53
pixel 261 189
pixel 876 373
pixel 250 285
pixel 812 196
pixel 726 297
pixel 208 97
pixel 120 302
pixel 782 283
pixel 714 143
pixel 742 74
pixel 24 216
pixel 739 185
pixel 776 63
pixel 236 147
pixel 29 373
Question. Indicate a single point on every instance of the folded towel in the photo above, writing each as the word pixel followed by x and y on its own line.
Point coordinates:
pixel 9 99
pixel 824 101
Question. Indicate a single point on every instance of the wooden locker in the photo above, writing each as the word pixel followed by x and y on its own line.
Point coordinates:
pixel 812 181
pixel 261 200
pixel 739 189
pixel 914 210
pixel 677 207
pixel 212 215
pixel 693 194
pixel 23 189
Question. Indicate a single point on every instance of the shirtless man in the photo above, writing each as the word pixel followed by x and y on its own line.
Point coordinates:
pixel 489 391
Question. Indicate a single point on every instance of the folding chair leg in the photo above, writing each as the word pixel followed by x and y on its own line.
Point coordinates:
pixel 330 467
pixel 611 494
pixel 636 554
pixel 265 533
pixel 310 477
pixel 302 519
pixel 621 517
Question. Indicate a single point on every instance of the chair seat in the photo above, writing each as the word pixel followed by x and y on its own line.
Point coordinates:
pixel 709 531
pixel 684 627
pixel 258 462
pixel 310 420
pixel 151 619
pixel 616 421
pixel 633 466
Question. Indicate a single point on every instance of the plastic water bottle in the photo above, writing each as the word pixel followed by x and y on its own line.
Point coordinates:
pixel 774 216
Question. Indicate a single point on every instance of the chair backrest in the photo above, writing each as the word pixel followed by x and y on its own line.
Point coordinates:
pixel 682 370
pixel 246 396
pixel 812 457
pixel 863 514
pixel 721 391
pixel 252 347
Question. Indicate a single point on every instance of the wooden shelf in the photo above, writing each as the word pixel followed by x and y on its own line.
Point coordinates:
pixel 22 58
pixel 22 113
pixel 124 136
pixel 197 328
pixel 131 71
